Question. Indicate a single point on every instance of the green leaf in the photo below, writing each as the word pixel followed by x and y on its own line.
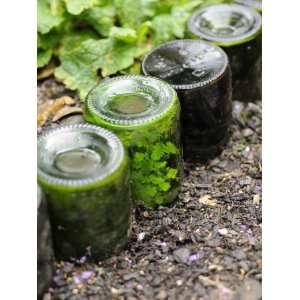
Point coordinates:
pixel 135 69
pixel 172 173
pixel 49 40
pixel 132 13
pixel 157 152
pixel 165 186
pixel 119 56
pixel 126 35
pixel 138 157
pixel 79 66
pixel 74 39
pixel 100 18
pixel 75 7
pixel 48 16
pixel 155 179
pixel 43 57
pixel 170 148
pixel 181 15
pixel 169 26
pixel 162 26
pixel 78 69
pixel 150 191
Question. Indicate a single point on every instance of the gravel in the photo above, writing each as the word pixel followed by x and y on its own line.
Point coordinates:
pixel 206 246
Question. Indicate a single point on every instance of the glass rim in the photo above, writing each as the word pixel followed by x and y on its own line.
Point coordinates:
pixel 199 84
pixel 229 40
pixel 169 101
pixel 39 196
pixel 257 4
pixel 115 160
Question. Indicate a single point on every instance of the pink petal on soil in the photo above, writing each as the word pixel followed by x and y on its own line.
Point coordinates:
pixel 86 274
pixel 77 280
pixel 194 257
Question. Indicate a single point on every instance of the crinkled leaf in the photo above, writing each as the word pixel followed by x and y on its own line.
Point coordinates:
pixel 119 57
pixel 126 35
pixel 74 38
pixel 135 69
pixel 49 40
pixel 100 18
pixel 181 15
pixel 165 186
pixel 172 173
pixel 75 7
pixel 170 148
pixel 132 13
pixel 144 45
pixel 149 191
pixel 79 66
pixel 162 26
pixel 169 26
pixel 43 57
pixel 78 69
pixel 48 15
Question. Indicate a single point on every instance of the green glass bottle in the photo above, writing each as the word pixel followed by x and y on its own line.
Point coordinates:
pixel 257 4
pixel 83 170
pixel 144 112
pixel 237 29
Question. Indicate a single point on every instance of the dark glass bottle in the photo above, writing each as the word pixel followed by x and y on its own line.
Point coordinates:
pixel 237 29
pixel 201 75
pixel 83 170
pixel 45 256
pixel 144 112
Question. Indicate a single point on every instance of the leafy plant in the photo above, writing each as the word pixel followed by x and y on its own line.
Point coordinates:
pixel 156 155
pixel 152 175
pixel 97 38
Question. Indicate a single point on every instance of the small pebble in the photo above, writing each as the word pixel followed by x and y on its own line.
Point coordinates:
pixel 223 231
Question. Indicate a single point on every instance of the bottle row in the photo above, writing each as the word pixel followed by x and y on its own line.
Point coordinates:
pixel 139 130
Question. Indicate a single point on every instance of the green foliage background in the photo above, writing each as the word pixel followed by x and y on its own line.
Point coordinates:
pixel 97 38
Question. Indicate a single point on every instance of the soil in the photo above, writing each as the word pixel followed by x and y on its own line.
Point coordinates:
pixel 206 246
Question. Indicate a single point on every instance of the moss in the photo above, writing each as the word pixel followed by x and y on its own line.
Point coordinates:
pixel 156 155
pixel 93 219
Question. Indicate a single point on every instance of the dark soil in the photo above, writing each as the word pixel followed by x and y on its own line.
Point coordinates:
pixel 207 246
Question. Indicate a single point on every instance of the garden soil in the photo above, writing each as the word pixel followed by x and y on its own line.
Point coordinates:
pixel 206 246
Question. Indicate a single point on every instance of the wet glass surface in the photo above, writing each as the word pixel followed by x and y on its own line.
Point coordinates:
pixel 236 28
pixel 83 170
pixel 185 63
pixel 144 112
pixel 225 24
pixel 205 102
pixel 257 4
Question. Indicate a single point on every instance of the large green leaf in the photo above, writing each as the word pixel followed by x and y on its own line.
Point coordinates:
pixel 43 57
pixel 73 39
pixel 126 35
pixel 100 18
pixel 79 67
pixel 162 26
pixel 120 56
pixel 75 7
pixel 133 13
pixel 169 26
pixel 49 15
